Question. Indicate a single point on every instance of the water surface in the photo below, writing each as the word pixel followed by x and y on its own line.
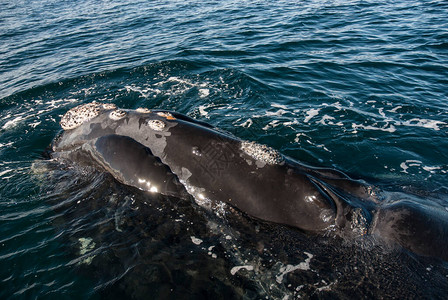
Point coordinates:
pixel 359 86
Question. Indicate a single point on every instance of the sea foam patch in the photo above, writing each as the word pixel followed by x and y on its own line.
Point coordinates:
pixel 304 266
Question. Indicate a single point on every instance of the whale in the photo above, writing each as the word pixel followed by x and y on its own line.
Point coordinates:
pixel 168 153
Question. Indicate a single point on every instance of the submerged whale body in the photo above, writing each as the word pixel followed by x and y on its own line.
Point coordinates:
pixel 171 154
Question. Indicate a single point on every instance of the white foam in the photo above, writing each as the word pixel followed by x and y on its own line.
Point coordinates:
pixel 381 116
pixel 6 145
pixel 204 93
pixel 12 123
pixel 179 86
pixel 271 124
pixel 298 135
pixel 179 80
pixel 196 192
pixel 394 110
pixel 418 164
pixel 323 147
pixel 404 167
pixel 195 240
pixel 305 265
pixel 34 124
pixel 144 92
pixel 237 268
pixel 86 246
pixel 387 128
pixel 247 123
pixel 290 123
pixel 279 106
pixel 328 120
pixel 425 123
pixel 202 110
pixel 5 172
pixel 409 163
pixel 327 287
pixel 431 169
pixel 279 112
pixel 311 113
pixel 58 103
pixel 86 91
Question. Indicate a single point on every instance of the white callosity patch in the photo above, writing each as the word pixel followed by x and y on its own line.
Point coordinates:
pixel 108 106
pixel 262 153
pixel 76 116
pixel 143 110
pixel 156 125
pixel 156 138
pixel 166 115
pixel 117 114
pixel 80 114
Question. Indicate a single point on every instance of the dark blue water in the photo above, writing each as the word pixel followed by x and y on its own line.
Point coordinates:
pixel 360 86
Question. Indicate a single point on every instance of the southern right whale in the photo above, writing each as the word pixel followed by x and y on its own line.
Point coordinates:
pixel 166 152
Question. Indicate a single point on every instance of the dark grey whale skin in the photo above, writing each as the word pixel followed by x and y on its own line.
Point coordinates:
pixel 183 157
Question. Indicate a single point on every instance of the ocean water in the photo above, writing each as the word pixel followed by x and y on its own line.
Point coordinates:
pixel 360 86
